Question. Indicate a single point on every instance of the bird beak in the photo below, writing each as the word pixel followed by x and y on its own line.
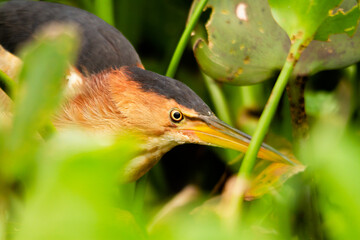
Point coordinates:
pixel 212 131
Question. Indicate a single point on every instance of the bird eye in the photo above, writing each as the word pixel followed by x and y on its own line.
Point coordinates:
pixel 176 115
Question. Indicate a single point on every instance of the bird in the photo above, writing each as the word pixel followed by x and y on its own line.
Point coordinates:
pixel 116 94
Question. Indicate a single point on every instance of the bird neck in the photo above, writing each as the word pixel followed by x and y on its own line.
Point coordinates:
pixel 91 108
pixel 94 110
pixel 150 154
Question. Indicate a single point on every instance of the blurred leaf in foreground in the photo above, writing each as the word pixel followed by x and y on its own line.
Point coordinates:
pixel 266 218
pixel 75 194
pixel 41 78
pixel 271 178
pixel 334 162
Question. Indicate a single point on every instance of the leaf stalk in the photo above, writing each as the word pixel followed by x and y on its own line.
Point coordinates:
pixel 270 109
pixel 175 60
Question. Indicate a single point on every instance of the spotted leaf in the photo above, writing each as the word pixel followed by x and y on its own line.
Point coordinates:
pixel 242 43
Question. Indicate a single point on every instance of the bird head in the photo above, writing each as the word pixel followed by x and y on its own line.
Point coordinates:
pixel 169 113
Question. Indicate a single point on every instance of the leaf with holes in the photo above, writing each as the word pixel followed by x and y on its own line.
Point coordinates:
pixel 301 18
pixel 340 49
pixel 338 23
pixel 242 44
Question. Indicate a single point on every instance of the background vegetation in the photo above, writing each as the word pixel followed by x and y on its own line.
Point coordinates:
pixel 64 187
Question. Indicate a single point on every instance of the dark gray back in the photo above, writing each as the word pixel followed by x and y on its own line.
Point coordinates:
pixel 102 46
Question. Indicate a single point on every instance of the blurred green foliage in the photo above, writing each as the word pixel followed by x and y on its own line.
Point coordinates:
pixel 67 186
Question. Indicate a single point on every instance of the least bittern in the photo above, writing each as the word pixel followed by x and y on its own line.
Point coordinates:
pixel 114 93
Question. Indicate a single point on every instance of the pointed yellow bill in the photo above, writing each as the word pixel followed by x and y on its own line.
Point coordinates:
pixel 212 131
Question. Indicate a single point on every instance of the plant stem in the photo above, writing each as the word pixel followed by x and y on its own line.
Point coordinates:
pixel 174 63
pixel 252 103
pixel 269 111
pixel 295 91
pixel 139 195
pixel 251 96
pixel 104 10
pixel 350 74
pixel 218 99
pixel 87 5
pixel 235 203
pixel 222 110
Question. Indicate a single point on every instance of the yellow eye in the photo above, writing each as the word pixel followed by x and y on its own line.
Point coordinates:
pixel 176 116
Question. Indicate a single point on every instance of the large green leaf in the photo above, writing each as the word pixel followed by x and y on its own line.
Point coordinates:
pixel 301 18
pixel 242 43
pixel 340 22
pixel 339 51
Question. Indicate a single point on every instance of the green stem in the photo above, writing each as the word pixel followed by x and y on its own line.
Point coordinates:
pixel 248 163
pixel 139 195
pixel 174 63
pixel 218 99
pixel 222 110
pixel 251 96
pixel 350 74
pixel 87 5
pixel 3 218
pixel 269 111
pixel 7 84
pixel 295 91
pixel 104 10
pixel 252 102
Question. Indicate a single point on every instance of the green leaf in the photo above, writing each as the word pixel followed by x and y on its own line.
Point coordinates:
pixel 75 195
pixel 40 87
pixel 242 52
pixel 332 153
pixel 105 10
pixel 340 22
pixel 241 40
pixel 301 18
pixel 41 80
pixel 341 51
pixel 271 177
